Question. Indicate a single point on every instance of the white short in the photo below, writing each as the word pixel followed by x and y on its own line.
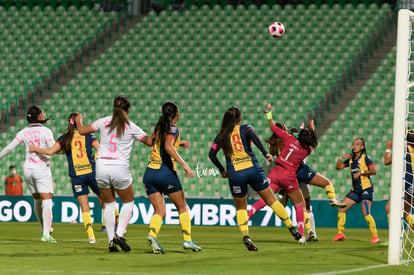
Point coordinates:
pixel 39 179
pixel 118 177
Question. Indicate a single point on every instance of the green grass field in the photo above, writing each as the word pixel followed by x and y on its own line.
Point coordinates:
pixel 223 252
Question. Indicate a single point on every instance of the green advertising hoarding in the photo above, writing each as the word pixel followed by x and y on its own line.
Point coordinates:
pixel 204 211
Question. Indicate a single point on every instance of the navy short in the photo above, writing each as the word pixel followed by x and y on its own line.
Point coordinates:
pixel 305 173
pixel 359 196
pixel 161 180
pixel 239 180
pixel 81 184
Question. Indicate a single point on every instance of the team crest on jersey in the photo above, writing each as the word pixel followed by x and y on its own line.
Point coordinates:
pixel 236 189
pixel 173 129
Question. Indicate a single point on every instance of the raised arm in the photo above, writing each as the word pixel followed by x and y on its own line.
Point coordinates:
pixel 83 130
pixel 268 113
pixel 340 162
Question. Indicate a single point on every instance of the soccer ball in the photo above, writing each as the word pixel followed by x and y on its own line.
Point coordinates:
pixel 276 29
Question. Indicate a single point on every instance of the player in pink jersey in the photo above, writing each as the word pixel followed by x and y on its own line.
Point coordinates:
pixel 294 151
pixel 37 167
pixel 112 166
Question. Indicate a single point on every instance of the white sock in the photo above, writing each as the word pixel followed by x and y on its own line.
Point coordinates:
pixel 312 222
pixel 124 216
pixel 38 212
pixel 47 216
pixel 109 217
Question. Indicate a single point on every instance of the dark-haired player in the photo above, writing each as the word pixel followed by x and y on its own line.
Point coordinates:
pixel 36 168
pixel 243 170
pixel 362 168
pixel 305 176
pixel 81 164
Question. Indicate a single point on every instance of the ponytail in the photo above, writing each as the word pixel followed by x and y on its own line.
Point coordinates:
pixel 163 126
pixel 66 140
pixel 120 115
pixel 230 118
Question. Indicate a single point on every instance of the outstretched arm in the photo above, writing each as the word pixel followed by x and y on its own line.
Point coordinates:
pixel 50 151
pixel 9 148
pixel 268 113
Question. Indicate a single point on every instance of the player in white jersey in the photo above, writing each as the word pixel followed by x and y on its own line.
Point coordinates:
pixel 112 166
pixel 37 167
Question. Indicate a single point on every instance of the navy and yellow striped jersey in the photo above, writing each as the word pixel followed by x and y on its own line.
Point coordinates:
pixel 80 157
pixel 243 156
pixel 362 163
pixel 160 156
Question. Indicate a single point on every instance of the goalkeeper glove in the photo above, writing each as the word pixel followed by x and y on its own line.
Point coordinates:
pixel 268 111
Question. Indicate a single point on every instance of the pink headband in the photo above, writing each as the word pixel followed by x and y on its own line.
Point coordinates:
pixel 71 121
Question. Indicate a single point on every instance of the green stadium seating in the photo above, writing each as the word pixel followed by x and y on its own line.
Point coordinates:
pixel 210 58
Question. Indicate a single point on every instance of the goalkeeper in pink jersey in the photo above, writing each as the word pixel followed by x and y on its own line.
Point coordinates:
pixel 294 151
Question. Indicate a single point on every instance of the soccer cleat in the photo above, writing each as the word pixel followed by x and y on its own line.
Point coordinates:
pixel 49 239
pixel 249 243
pixel 336 203
pixel 122 243
pixel 92 241
pixel 375 240
pixel 103 228
pixel 155 245
pixel 295 233
pixel 112 247
pixel 339 237
pixel 191 246
pixel 311 236
pixel 302 240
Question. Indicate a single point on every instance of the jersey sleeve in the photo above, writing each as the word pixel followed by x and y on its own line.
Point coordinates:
pixel 50 140
pixel 279 132
pixel 137 132
pixel 213 155
pixel 97 124
pixel 368 161
pixel 346 163
pixel 173 132
pixel 251 134
pixel 92 138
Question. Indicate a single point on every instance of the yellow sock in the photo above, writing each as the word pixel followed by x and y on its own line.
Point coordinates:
pixel 341 222
pixel 281 212
pixel 330 192
pixel 116 215
pixel 155 225
pixel 307 222
pixel 87 221
pixel 185 222
pixel 371 224
pixel 103 215
pixel 242 221
pixel 410 220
